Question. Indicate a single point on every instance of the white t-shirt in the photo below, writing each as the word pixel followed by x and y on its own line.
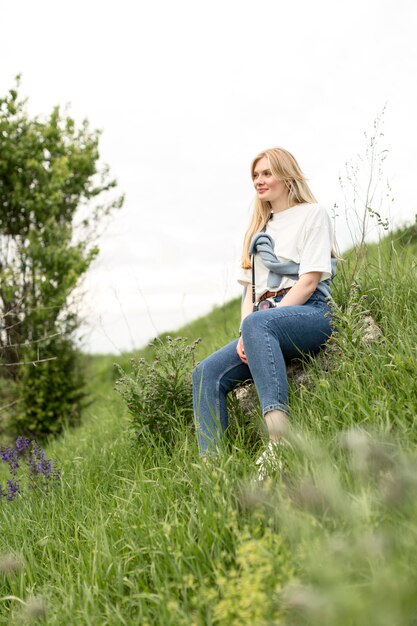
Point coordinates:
pixel 303 234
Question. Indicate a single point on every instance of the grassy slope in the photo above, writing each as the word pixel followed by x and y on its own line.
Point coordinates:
pixel 138 536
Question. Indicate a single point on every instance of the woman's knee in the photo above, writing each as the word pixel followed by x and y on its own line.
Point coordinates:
pixel 197 374
pixel 252 322
pixel 205 370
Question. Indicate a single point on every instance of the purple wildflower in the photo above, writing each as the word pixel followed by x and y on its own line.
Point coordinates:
pixel 13 490
pixel 40 470
pixel 45 468
pixel 22 443
pixel 10 456
pixel 40 467
pixel 38 453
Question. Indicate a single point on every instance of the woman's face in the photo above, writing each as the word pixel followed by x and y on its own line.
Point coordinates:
pixel 267 187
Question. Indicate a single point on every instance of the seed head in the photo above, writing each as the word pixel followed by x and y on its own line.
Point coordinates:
pixel 36 608
pixel 10 563
pixel 303 598
pixel 309 497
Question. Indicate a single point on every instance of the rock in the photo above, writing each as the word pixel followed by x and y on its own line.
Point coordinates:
pixel 247 397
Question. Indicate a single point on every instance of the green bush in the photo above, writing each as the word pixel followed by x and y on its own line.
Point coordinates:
pixel 54 394
pixel 159 393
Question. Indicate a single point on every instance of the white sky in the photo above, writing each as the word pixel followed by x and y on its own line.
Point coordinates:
pixel 186 93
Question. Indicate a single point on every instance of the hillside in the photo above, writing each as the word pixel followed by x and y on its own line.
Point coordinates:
pixel 145 534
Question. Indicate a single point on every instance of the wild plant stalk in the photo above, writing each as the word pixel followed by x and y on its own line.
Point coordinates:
pixel 365 196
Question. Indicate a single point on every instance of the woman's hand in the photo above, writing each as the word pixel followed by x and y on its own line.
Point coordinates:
pixel 241 351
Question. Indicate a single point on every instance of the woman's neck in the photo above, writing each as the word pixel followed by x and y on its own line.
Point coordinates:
pixel 279 205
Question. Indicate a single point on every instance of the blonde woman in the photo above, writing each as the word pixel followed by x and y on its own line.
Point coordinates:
pixel 287 265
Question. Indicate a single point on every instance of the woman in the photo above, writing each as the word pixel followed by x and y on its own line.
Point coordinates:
pixel 286 312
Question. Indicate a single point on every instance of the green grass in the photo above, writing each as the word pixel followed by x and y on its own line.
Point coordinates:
pixel 145 535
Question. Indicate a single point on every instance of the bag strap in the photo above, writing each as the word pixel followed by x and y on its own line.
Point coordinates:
pixel 253 268
pixel 253 279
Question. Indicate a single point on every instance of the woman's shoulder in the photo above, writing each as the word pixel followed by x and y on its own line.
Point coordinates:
pixel 316 211
pixel 304 215
pixel 316 207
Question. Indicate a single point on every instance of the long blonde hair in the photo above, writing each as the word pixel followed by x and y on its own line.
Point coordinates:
pixel 283 167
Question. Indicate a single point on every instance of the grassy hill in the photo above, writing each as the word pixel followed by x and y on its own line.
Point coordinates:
pixel 142 534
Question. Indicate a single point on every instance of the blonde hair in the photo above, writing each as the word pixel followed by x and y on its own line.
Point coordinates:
pixel 283 167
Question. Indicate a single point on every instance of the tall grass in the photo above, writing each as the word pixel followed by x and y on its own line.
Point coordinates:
pixel 151 535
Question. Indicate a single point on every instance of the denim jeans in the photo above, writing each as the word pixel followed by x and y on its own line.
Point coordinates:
pixel 271 338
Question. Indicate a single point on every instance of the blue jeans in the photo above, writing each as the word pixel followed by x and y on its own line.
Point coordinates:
pixel 271 338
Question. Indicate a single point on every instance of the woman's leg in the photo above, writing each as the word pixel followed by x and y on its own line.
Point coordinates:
pixel 273 336
pixel 277 425
pixel 213 378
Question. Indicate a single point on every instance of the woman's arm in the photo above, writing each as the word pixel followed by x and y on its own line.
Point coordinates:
pixel 247 305
pixel 247 308
pixel 302 290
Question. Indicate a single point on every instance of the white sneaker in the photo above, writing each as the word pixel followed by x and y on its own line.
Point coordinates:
pixel 269 461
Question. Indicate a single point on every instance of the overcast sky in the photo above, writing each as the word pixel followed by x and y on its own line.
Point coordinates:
pixel 186 93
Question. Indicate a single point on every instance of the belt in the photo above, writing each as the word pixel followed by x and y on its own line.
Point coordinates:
pixel 274 294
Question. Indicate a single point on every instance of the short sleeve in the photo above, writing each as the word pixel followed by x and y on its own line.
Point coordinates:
pixel 316 249
pixel 244 277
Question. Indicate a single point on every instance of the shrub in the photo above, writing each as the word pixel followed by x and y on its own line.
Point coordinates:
pixel 159 394
pixel 54 393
